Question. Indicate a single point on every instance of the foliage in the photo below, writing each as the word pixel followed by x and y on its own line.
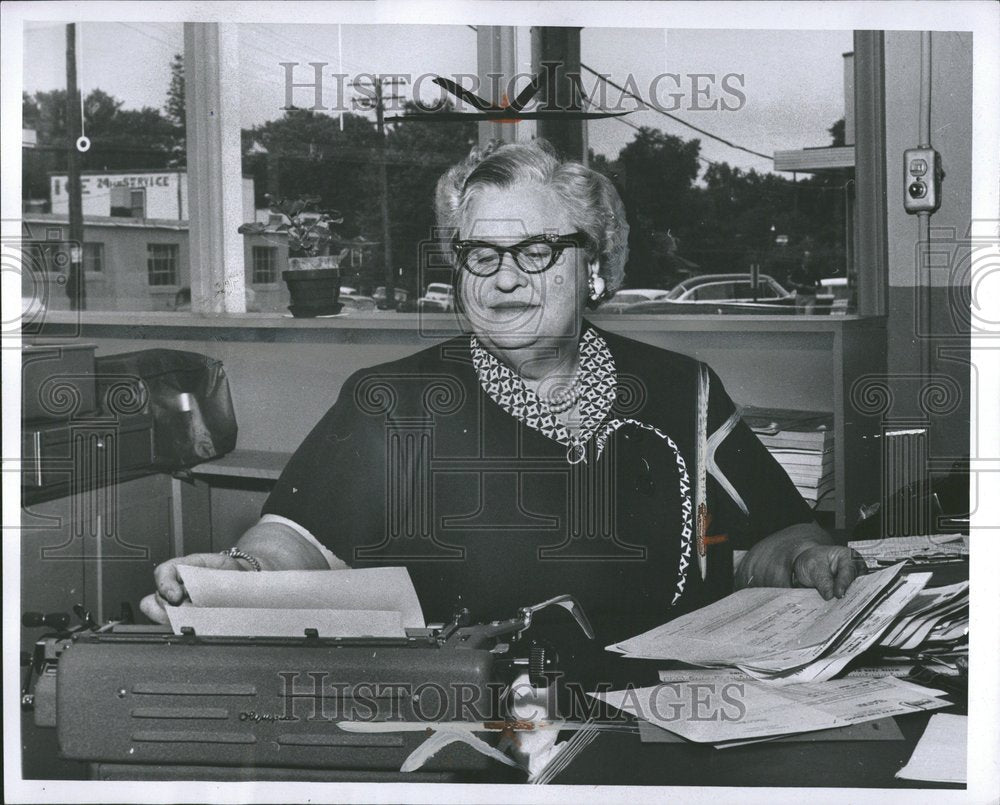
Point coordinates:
pixel 726 219
pixel 309 232
pixel 121 139
pixel 306 153
pixel 175 106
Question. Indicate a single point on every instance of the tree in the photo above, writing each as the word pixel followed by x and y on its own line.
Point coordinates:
pixel 306 153
pixel 176 111
pixel 657 173
pixel 175 105
pixel 121 139
pixel 837 132
pixel 418 153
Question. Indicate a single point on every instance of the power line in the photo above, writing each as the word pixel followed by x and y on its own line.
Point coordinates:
pixel 674 117
pixel 632 125
pixel 665 113
pixel 138 30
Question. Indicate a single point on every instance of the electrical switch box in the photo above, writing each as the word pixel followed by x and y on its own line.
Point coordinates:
pixel 921 180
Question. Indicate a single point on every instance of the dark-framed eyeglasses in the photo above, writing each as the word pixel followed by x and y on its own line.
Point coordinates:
pixel 533 255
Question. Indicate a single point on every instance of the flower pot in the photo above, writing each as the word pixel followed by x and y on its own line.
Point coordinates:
pixel 313 286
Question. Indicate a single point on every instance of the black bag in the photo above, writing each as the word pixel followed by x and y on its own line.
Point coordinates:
pixel 187 394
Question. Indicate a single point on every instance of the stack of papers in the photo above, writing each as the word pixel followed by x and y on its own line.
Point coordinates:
pixel 890 550
pixel 801 442
pixel 782 635
pixel 935 622
pixel 371 602
pixel 735 713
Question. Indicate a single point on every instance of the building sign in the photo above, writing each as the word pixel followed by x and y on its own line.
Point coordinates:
pixel 59 183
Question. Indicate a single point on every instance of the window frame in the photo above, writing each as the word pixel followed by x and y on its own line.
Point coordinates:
pixel 174 258
pixel 272 258
pixel 96 248
pixel 208 45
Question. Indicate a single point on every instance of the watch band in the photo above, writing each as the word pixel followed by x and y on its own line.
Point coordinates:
pixel 236 553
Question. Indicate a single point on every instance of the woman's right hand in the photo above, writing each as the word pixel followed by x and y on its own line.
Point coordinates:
pixel 170 588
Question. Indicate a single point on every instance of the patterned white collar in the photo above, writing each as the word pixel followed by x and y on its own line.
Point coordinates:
pixel 598 377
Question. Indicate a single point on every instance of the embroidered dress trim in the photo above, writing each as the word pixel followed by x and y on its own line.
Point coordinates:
pixel 600 384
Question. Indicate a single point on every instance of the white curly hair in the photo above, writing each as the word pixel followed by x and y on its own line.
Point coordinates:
pixel 592 203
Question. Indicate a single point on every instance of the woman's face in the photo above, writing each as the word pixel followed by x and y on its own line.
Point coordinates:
pixel 513 310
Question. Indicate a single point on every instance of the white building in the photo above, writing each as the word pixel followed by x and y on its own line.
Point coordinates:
pixel 135 194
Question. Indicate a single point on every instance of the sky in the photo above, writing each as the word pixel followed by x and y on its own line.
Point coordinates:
pixel 792 80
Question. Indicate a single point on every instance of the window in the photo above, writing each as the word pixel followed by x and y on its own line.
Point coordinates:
pixel 728 159
pixel 131 78
pixel 265 269
pixel 323 139
pixel 93 257
pixel 771 184
pixel 161 263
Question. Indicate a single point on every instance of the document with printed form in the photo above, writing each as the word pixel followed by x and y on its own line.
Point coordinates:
pixel 732 713
pixel 780 634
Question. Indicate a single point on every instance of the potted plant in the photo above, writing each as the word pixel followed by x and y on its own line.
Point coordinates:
pixel 313 274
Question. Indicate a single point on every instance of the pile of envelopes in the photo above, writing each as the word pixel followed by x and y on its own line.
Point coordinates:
pixel 786 635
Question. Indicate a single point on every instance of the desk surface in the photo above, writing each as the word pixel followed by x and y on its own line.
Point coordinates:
pixel 261 464
pixel 621 759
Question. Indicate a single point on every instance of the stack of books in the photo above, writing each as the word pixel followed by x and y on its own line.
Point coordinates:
pixel 802 443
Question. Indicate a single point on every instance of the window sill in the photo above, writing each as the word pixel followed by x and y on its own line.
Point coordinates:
pixel 390 327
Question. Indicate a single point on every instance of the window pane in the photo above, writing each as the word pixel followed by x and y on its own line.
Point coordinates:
pixel 93 257
pixel 133 176
pixel 327 143
pixel 740 162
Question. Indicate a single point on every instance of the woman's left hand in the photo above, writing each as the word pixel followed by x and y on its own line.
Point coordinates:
pixel 800 556
pixel 828 568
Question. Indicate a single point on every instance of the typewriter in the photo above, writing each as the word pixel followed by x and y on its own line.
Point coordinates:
pixel 142 703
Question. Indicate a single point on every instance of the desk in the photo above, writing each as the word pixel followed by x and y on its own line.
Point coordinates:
pixel 621 759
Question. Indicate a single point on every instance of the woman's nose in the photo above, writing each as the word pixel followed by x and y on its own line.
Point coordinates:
pixel 509 276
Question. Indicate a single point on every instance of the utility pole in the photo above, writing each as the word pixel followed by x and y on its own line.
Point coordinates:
pixel 379 83
pixel 76 287
pixel 555 57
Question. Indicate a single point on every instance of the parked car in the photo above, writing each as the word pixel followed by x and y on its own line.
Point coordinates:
pixel 439 293
pixel 627 297
pixel 401 295
pixel 722 293
pixel 356 303
pixel 833 295
pixel 426 305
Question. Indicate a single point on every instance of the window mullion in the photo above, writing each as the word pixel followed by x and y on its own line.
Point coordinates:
pixel 214 165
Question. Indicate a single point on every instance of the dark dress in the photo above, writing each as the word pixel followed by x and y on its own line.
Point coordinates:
pixel 416 465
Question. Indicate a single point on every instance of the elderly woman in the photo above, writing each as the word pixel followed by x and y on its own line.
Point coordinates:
pixel 537 454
